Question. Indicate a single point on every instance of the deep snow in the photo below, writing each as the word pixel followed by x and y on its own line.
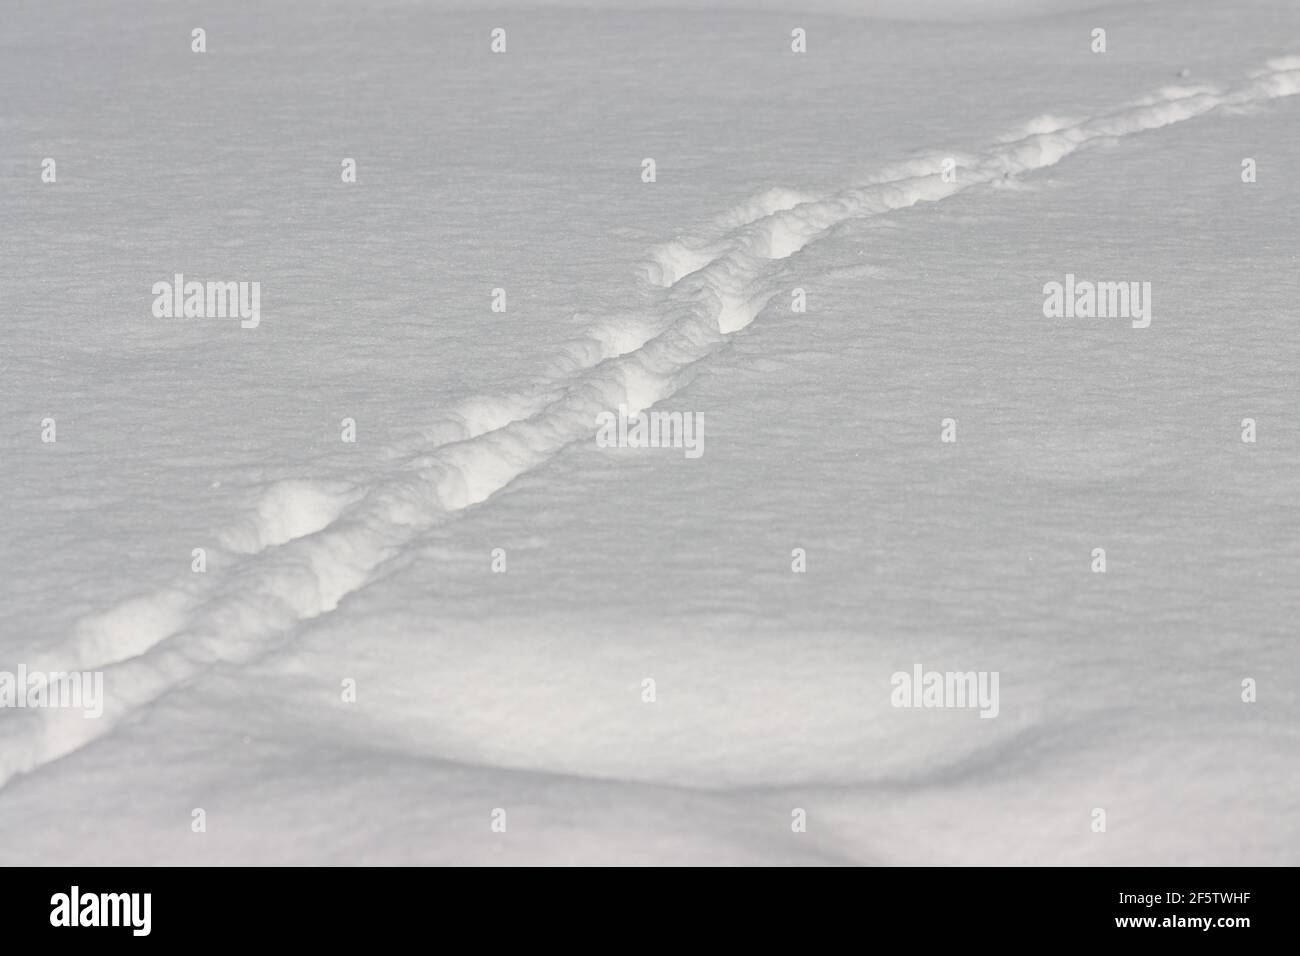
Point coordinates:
pixel 330 561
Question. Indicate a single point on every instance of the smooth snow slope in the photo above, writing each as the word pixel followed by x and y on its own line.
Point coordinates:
pixel 523 690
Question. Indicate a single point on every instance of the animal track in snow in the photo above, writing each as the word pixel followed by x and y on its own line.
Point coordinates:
pixel 306 545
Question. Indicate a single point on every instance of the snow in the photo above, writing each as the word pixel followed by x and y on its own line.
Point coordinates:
pixel 372 562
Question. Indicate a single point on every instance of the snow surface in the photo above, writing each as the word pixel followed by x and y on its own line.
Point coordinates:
pixel 523 691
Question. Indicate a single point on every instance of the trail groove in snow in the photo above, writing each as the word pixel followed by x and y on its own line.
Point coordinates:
pixel 306 545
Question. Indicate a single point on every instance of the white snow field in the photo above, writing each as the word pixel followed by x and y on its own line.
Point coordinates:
pixel 333 565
